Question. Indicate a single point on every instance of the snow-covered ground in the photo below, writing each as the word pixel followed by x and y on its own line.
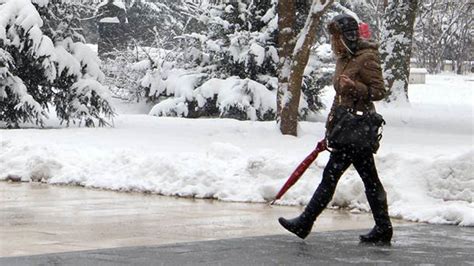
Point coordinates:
pixel 425 162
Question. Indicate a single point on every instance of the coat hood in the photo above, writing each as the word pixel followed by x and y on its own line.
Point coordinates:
pixel 365 46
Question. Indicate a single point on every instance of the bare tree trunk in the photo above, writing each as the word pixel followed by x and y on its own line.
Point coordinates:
pixel 291 73
pixel 286 44
pixel 397 37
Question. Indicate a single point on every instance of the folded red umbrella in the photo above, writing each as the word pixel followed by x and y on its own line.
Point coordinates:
pixel 301 169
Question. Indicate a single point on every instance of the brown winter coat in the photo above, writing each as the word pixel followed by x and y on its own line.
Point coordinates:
pixel 364 68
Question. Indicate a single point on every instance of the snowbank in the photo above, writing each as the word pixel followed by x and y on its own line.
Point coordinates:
pixel 425 163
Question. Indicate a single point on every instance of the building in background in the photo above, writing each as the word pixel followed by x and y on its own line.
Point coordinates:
pixel 112 23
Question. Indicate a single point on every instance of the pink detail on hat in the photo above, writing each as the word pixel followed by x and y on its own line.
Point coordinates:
pixel 364 31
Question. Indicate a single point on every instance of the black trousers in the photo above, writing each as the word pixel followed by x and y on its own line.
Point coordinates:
pixel 338 163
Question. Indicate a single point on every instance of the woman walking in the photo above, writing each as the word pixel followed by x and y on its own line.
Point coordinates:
pixel 358 81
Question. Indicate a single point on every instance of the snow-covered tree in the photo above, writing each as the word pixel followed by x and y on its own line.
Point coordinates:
pixel 396 48
pixel 229 66
pixel 43 65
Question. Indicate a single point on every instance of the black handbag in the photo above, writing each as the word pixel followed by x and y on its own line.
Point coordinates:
pixel 355 130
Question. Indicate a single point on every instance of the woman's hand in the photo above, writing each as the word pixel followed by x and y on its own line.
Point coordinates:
pixel 346 82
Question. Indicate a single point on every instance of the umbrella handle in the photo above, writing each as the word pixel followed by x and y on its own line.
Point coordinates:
pixel 322 145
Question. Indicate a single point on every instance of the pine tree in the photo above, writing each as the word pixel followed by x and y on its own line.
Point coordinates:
pixel 249 41
pixel 43 64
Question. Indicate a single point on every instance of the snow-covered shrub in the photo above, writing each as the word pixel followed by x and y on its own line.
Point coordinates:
pixel 232 98
pixel 42 64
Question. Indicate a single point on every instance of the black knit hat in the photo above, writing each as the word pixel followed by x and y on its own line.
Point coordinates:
pixel 348 27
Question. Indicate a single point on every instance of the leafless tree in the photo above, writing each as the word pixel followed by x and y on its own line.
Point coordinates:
pixel 444 31
pixel 294 55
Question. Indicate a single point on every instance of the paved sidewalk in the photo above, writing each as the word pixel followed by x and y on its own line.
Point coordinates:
pixel 39 218
pixel 65 225
pixel 412 245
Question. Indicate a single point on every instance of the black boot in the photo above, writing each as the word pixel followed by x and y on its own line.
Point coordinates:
pixel 378 235
pixel 300 226
pixel 382 231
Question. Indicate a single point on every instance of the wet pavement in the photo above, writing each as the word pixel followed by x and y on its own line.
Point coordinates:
pixel 64 225
pixel 412 245
pixel 39 218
